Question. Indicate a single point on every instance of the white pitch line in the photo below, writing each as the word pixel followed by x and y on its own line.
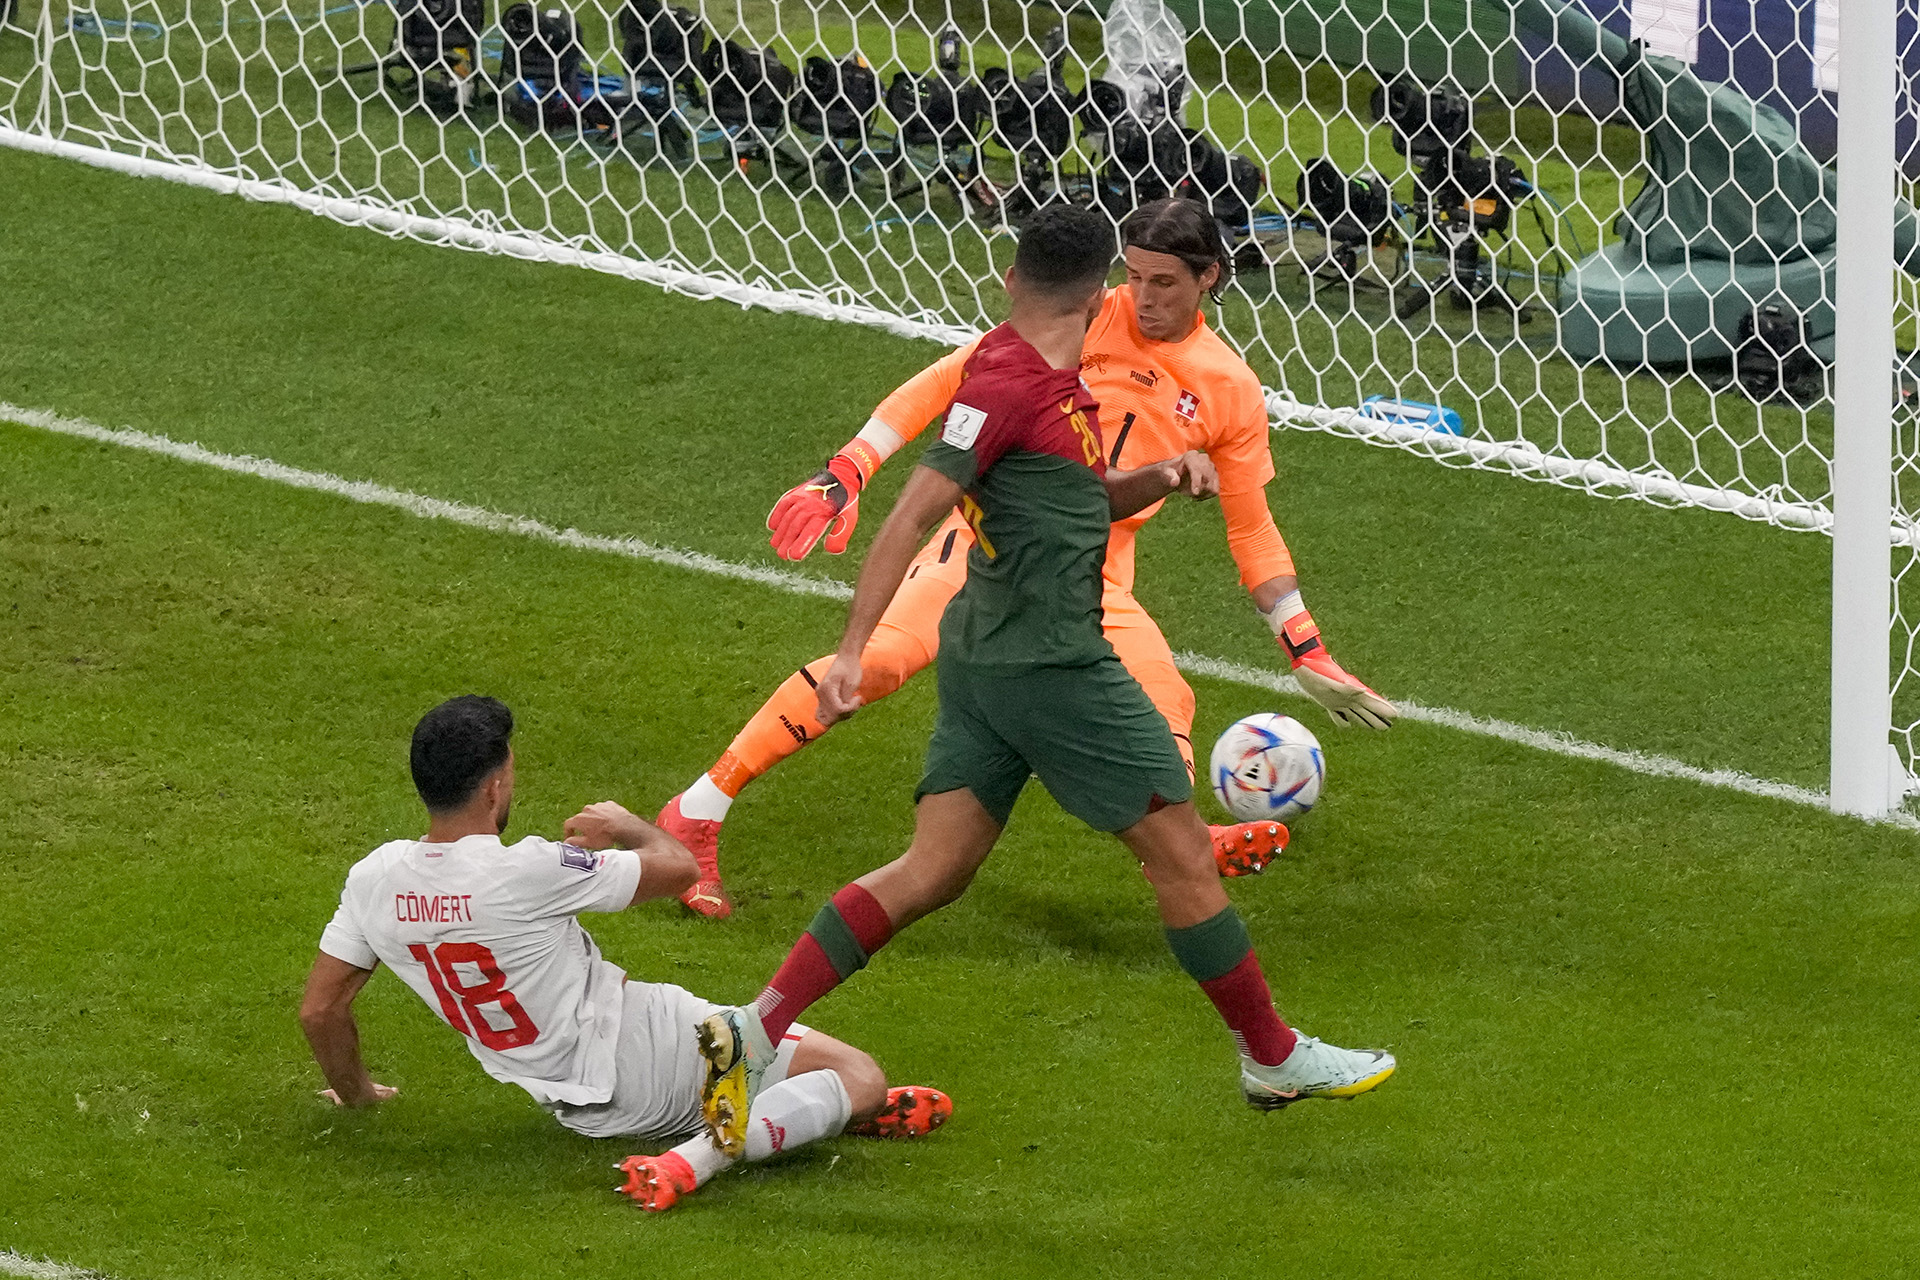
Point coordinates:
pixel 1561 744
pixel 427 508
pixel 16 1264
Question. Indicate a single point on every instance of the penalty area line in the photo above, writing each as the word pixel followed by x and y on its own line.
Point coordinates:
pixel 426 508
pixel 17 1264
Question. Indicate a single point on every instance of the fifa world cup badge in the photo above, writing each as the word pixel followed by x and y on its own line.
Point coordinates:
pixel 963 426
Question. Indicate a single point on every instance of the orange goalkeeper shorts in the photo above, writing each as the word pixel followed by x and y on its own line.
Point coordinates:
pixel 908 637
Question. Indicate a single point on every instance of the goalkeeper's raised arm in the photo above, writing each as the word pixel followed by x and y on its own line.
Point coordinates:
pixel 828 504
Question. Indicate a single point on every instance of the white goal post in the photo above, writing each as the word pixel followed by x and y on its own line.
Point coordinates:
pixel 1591 242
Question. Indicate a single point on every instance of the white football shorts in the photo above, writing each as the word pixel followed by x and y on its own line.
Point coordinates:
pixel 658 1069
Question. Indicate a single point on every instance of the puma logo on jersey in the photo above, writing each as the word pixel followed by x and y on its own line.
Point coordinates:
pixel 1149 379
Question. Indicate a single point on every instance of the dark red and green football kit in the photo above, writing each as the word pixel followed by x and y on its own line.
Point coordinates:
pixel 1029 685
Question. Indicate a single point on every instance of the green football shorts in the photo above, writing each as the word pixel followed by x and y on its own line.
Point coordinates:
pixel 1089 734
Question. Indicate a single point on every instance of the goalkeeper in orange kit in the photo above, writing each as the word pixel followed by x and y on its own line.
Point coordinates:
pixel 1166 384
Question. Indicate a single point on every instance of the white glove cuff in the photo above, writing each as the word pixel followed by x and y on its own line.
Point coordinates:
pixel 881 438
pixel 1285 609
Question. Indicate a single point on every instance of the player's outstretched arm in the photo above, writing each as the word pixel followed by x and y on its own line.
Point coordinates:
pixel 667 868
pixel 1133 491
pixel 326 1015
pixel 922 504
pixel 1346 699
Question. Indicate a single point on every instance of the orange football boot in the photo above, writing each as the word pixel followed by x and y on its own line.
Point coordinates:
pixel 1246 849
pixel 912 1111
pixel 656 1183
pixel 707 896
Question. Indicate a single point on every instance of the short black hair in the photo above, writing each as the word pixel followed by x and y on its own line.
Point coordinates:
pixel 1064 249
pixel 1184 229
pixel 455 746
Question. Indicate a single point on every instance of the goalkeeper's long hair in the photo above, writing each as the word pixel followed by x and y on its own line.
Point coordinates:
pixel 1185 230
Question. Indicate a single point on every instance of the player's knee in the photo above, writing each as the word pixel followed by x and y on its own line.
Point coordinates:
pixel 1173 845
pixel 884 667
pixel 864 1081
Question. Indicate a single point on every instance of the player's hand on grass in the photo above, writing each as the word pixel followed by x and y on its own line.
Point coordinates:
pixel 1346 699
pixel 827 505
pixel 606 825
pixel 839 691
pixel 377 1093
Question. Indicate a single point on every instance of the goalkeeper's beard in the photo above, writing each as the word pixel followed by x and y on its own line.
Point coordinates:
pixel 500 823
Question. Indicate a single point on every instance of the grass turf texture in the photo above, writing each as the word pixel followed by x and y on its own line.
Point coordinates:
pixel 1645 1026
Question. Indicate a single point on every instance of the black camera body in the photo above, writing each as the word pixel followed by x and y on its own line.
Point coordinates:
pixel 1460 198
pixel 1033 113
pixel 436 50
pixel 747 88
pixel 661 46
pixel 939 109
pixel 1226 182
pixel 1477 192
pixel 836 100
pixel 540 59
pixel 1353 212
pixel 1152 162
pixel 441 32
pixel 936 110
pixel 1772 356
pixel 1423 122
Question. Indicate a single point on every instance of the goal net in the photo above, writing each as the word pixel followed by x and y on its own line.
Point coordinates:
pixel 1583 241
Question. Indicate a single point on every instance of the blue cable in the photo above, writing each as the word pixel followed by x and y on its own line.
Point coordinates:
pixel 1561 214
pixel 85 22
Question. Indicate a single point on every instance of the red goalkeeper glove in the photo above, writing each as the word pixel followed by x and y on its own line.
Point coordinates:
pixel 1321 678
pixel 828 505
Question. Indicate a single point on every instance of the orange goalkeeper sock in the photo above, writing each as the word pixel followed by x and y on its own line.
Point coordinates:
pixel 784 723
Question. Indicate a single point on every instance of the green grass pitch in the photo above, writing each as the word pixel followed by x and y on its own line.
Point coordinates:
pixel 1645 1027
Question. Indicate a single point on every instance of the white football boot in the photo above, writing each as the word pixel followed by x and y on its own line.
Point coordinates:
pixel 737 1053
pixel 1315 1069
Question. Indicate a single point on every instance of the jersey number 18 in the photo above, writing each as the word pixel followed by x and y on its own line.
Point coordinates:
pixel 461 1003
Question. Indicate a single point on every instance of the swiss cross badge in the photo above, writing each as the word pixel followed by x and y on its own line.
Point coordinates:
pixel 1187 405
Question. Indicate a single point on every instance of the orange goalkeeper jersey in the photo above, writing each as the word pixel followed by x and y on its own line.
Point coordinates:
pixel 1157 400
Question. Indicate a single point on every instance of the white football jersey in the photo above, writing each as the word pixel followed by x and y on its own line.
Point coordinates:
pixel 486 935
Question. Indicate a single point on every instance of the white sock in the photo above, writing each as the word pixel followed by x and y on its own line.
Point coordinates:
pixel 703 1158
pixel 798 1110
pixel 704 802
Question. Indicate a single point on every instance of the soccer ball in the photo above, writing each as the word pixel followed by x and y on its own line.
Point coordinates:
pixel 1267 767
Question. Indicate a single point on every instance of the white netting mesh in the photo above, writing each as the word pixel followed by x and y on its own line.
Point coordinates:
pixel 1598 264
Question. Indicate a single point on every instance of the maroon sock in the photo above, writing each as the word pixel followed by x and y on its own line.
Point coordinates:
pixel 837 945
pixel 1241 996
